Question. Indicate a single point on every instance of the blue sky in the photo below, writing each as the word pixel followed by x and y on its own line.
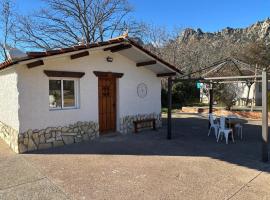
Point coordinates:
pixel 209 15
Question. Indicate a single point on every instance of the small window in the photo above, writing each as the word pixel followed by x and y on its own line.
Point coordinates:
pixel 63 94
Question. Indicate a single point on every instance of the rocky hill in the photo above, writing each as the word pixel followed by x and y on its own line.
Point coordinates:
pixel 256 32
pixel 194 49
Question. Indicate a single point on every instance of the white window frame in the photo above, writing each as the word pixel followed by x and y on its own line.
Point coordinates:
pixel 76 93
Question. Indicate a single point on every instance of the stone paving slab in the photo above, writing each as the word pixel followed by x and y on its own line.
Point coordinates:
pixel 19 180
pixel 39 190
pixel 143 177
pixel 259 188
pixel 15 171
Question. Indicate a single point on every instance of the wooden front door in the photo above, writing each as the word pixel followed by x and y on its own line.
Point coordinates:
pixel 107 103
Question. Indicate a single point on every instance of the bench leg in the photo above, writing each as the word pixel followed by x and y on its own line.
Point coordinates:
pixel 154 125
pixel 136 128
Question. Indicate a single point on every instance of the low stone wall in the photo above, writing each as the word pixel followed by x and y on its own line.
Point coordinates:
pixel 251 115
pixel 9 135
pixel 126 122
pixel 57 136
pixel 51 137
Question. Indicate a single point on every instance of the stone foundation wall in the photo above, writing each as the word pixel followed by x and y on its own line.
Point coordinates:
pixel 51 137
pixel 126 122
pixel 57 136
pixel 9 135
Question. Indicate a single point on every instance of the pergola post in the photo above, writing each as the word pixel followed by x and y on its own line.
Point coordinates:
pixel 169 117
pixel 211 100
pixel 264 116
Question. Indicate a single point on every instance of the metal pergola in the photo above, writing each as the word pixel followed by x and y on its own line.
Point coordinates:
pixel 262 77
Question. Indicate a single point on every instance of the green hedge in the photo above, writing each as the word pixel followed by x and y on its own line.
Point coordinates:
pixel 183 94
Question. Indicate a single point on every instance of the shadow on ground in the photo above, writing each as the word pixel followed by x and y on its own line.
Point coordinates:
pixel 189 138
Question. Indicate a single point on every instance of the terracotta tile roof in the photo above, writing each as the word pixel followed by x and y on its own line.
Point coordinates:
pixel 34 55
pixel 7 64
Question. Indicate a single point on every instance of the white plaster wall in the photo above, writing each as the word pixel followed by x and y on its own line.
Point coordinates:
pixel 259 93
pixel 9 98
pixel 243 90
pixel 33 85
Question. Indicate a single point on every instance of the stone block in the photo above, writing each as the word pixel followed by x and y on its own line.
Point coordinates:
pixel 78 139
pixel 22 148
pixel 25 141
pixel 53 134
pixel 58 143
pixel 45 146
pixel 85 137
pixel 48 135
pixel 58 138
pixel 69 134
pixel 36 140
pixel 29 132
pixel 35 135
pixel 50 140
pixel 68 139
pixel 48 130
pixel 42 139
pixel 20 138
pixel 65 129
pixel 31 145
pixel 84 128
pixel 79 123
pixel 41 132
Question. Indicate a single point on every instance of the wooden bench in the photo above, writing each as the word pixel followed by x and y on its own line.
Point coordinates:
pixel 146 123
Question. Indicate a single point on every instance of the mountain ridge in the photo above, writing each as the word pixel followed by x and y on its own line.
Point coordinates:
pixel 259 31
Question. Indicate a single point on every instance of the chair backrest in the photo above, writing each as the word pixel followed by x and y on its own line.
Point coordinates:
pixel 222 122
pixel 211 119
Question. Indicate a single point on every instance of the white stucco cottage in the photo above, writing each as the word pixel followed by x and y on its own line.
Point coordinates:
pixel 69 95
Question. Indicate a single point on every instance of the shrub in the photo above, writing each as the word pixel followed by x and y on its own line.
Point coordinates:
pixel 183 93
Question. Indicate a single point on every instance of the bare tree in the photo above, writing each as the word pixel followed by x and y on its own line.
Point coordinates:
pixel 255 53
pixel 162 42
pixel 6 27
pixel 227 94
pixel 66 22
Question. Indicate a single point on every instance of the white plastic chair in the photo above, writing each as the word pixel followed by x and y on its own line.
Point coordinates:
pixel 239 129
pixel 213 125
pixel 224 131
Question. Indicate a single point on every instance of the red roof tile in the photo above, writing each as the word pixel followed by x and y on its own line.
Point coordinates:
pixel 33 55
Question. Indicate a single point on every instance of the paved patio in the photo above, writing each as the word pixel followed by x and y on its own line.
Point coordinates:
pixel 143 166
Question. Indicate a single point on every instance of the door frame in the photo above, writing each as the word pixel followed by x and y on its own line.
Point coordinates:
pixel 101 74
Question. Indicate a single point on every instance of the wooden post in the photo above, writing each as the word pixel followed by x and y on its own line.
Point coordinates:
pixel 169 117
pixel 249 84
pixel 264 116
pixel 254 89
pixel 211 100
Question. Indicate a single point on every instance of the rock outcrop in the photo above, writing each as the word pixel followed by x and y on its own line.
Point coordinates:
pixel 260 31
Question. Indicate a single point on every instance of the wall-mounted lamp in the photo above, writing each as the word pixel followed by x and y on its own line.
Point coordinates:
pixel 109 59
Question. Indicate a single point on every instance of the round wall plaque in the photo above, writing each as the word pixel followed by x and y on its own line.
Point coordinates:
pixel 142 90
